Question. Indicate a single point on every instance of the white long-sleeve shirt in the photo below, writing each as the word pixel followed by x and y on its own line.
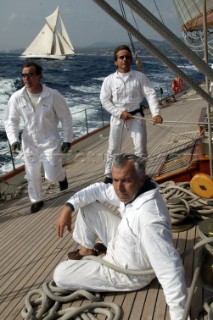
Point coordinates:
pixel 40 124
pixel 125 93
pixel 143 241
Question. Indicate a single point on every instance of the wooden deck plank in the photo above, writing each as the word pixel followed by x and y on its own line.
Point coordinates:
pixel 138 304
pixel 149 307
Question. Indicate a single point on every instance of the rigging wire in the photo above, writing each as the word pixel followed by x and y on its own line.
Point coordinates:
pixel 129 34
pixel 138 61
pixel 161 18
pixel 194 39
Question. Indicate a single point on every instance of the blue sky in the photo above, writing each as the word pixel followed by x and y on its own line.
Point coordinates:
pixel 86 22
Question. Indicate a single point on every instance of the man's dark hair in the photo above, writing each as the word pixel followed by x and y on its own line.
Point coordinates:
pixel 122 47
pixel 120 160
pixel 38 68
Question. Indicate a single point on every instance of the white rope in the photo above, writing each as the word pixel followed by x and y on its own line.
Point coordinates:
pixel 171 121
pixel 48 301
pixel 182 202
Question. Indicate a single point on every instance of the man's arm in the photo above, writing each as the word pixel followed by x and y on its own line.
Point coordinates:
pixel 167 266
pixel 152 99
pixel 64 115
pixel 96 192
pixel 64 220
pixel 12 121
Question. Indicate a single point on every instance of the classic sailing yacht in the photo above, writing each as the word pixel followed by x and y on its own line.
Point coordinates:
pixel 50 43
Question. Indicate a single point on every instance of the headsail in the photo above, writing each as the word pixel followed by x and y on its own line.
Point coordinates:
pixel 51 43
pixel 65 35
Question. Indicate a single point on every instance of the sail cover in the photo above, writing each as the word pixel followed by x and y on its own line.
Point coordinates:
pixel 190 13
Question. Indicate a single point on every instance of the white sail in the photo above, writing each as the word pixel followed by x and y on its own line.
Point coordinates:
pixel 65 34
pixel 65 48
pixel 52 19
pixel 42 44
pixel 190 13
pixel 50 43
pixel 57 47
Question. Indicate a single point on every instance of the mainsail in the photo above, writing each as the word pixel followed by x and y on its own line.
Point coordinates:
pixel 191 14
pixel 51 42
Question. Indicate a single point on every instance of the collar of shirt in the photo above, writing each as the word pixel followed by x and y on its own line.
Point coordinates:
pixel 123 76
pixel 147 192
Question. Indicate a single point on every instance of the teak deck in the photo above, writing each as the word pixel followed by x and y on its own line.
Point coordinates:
pixel 30 248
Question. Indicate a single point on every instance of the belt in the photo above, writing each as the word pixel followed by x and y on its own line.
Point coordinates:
pixel 140 110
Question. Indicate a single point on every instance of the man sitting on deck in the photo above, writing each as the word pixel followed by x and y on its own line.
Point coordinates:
pixel 141 239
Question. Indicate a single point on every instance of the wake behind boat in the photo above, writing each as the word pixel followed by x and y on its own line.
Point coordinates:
pixel 51 42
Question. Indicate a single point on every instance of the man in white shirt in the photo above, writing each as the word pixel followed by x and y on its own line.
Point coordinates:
pixel 139 239
pixel 41 109
pixel 121 95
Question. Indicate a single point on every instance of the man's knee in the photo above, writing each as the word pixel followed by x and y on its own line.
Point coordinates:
pixel 59 275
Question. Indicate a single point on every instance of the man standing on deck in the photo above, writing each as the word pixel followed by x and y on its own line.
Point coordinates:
pixel 121 95
pixel 40 108
pixel 140 239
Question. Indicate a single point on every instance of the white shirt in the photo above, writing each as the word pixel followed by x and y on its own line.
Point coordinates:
pixel 40 125
pixel 120 93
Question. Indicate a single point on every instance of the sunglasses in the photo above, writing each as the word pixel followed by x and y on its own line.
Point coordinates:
pixel 28 75
pixel 126 56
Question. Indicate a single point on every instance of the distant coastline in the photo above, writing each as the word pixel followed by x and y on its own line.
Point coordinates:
pixel 104 48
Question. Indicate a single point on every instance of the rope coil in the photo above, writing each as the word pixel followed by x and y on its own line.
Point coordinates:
pixel 50 299
pixel 182 202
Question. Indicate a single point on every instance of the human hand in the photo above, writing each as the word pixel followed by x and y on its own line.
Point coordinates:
pixel 64 220
pixel 66 146
pixel 126 115
pixel 157 119
pixel 16 146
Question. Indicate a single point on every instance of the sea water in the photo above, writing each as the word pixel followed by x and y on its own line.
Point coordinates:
pixel 79 80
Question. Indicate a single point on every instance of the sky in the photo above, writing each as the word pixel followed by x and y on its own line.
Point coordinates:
pixel 85 21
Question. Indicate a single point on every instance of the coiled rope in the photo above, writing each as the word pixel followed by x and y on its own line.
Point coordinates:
pixel 51 297
pixel 182 202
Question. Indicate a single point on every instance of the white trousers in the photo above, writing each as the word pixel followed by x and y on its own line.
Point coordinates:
pixel 95 221
pixel 119 130
pixel 53 170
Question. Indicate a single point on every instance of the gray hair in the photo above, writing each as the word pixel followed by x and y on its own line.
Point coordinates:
pixel 120 160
